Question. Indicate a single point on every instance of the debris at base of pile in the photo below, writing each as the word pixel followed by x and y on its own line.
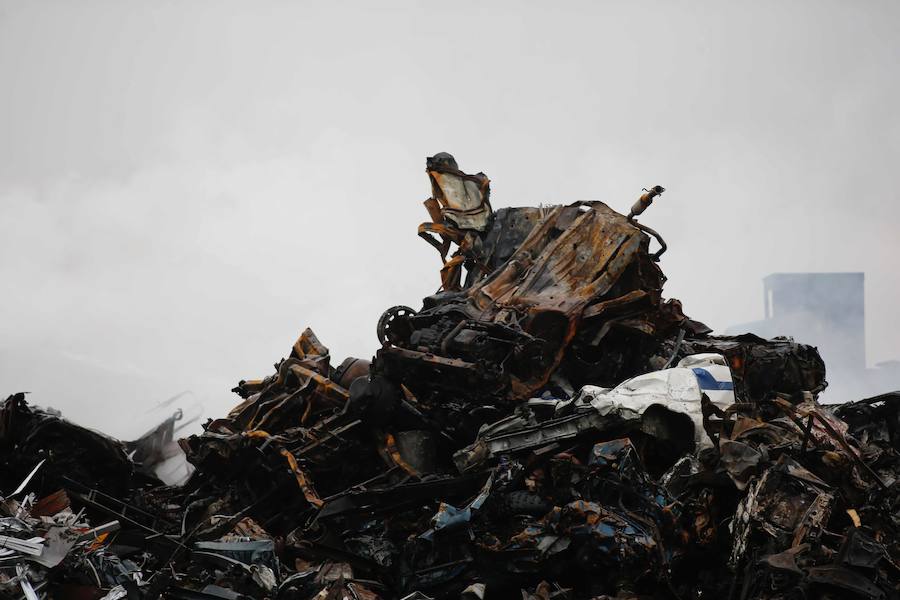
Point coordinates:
pixel 546 426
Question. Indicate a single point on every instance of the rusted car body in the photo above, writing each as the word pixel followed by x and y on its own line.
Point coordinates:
pixel 545 426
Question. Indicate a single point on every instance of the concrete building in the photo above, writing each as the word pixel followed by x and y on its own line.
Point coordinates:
pixel 826 310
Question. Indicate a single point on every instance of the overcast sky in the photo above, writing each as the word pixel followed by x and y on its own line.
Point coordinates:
pixel 185 186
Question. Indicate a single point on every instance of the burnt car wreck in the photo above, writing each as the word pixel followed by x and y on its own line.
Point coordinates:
pixel 546 425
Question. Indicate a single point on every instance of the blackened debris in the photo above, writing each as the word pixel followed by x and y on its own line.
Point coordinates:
pixel 545 426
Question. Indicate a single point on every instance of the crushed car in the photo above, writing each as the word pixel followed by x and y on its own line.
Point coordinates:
pixel 546 425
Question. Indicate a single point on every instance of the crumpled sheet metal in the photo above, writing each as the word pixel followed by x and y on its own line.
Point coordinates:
pixel 787 503
pixel 462 199
pixel 570 259
pixel 652 402
pixel 761 366
pixel 562 289
pixel 32 433
pixel 584 514
pixel 679 390
pixel 546 426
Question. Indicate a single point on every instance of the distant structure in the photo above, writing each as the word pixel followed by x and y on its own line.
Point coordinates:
pixel 826 310
pixel 823 309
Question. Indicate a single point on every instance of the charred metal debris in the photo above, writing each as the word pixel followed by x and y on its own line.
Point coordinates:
pixel 545 426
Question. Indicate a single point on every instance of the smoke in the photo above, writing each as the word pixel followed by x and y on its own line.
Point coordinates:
pixel 186 186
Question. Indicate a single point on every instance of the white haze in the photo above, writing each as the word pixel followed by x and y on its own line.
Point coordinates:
pixel 185 186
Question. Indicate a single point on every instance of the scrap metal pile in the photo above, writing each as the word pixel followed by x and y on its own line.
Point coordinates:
pixel 544 426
